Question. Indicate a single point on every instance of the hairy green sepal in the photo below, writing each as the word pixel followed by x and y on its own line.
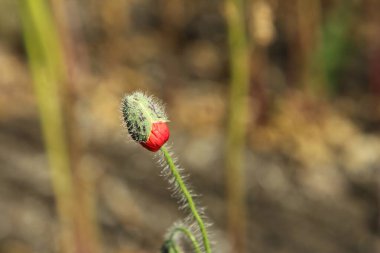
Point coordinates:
pixel 139 114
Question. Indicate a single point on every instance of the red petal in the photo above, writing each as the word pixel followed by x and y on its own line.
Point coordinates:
pixel 158 136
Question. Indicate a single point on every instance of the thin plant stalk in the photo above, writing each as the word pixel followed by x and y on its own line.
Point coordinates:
pixel 85 215
pixel 308 24
pixel 237 122
pixel 46 67
pixel 189 236
pixel 188 197
pixel 332 49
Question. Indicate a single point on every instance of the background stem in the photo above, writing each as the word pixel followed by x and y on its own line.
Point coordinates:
pixel 53 85
pixel 236 126
pixel 45 61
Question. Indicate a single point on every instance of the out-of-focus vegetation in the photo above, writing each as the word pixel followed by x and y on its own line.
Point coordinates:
pixel 47 69
pixel 50 77
pixel 311 150
pixel 236 129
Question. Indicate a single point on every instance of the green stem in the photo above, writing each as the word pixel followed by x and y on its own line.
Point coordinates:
pixel 46 66
pixel 237 123
pixel 174 247
pixel 188 234
pixel 188 197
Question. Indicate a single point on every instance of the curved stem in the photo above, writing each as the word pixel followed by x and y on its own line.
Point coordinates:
pixel 188 234
pixel 188 197
pixel 174 247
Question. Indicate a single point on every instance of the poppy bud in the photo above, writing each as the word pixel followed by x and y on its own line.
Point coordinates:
pixel 145 120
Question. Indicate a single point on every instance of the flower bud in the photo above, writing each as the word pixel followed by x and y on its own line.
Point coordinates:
pixel 145 120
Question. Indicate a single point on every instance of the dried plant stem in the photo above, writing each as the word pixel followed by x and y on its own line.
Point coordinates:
pixel 237 122
pixel 188 198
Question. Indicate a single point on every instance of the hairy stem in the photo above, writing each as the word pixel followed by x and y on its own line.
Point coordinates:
pixel 188 234
pixel 175 248
pixel 188 197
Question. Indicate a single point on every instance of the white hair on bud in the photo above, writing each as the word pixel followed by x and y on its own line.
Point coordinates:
pixel 139 112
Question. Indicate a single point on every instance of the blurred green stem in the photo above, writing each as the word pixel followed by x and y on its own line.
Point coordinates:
pixel 237 122
pixel 332 49
pixel 47 70
pixel 85 200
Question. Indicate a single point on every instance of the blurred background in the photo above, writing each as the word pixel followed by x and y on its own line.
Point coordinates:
pixel 274 109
